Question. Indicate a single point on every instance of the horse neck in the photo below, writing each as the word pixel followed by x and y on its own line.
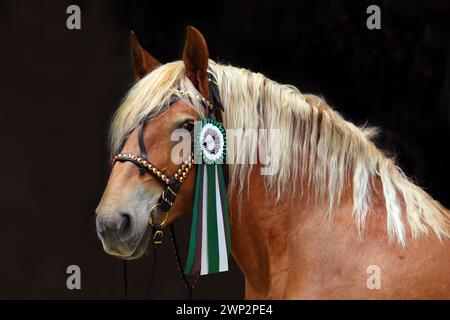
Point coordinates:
pixel 266 234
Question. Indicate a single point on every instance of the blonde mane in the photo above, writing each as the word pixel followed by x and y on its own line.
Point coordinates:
pixel 316 144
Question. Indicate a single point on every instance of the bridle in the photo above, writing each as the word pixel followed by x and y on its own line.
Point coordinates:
pixel 171 183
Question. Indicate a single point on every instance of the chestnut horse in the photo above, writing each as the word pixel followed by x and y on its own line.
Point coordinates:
pixel 336 219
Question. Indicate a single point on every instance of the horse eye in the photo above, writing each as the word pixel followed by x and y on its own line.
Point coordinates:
pixel 189 126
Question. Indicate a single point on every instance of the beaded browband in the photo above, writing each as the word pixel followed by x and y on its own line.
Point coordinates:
pixel 180 174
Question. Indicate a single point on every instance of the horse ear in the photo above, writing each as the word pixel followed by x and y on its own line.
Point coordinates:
pixel 143 62
pixel 195 58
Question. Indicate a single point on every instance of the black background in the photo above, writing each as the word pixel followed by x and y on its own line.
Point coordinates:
pixel 59 89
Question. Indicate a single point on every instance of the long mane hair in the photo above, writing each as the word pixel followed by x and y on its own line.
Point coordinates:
pixel 316 144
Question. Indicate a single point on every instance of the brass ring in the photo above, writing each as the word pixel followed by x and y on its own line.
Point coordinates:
pixel 150 220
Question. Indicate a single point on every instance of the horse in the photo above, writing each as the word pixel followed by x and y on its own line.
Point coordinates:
pixel 337 220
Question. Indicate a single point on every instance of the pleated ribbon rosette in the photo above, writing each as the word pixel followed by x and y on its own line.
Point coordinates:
pixel 210 242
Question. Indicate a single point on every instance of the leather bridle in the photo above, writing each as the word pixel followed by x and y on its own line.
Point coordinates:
pixel 172 183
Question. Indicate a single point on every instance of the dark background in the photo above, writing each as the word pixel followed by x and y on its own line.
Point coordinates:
pixel 59 89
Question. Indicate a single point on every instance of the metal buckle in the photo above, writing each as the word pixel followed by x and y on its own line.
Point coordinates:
pixel 157 237
pixel 171 191
pixel 166 200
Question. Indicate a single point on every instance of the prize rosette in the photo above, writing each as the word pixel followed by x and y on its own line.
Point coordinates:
pixel 211 142
pixel 210 242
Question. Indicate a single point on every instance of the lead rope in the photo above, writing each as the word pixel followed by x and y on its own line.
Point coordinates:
pixel 189 286
pixel 125 279
pixel 150 280
pixel 152 272
pixel 147 295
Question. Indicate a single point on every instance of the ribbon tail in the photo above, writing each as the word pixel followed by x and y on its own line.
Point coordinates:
pixel 222 241
pixel 205 232
pixel 212 236
pixel 226 218
pixel 192 266
pixel 210 241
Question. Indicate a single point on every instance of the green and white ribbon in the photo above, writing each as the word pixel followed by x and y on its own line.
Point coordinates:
pixel 210 242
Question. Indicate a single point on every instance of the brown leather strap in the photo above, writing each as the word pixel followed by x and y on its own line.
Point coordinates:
pixel 142 148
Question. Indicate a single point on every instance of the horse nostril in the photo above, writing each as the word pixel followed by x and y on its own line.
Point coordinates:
pixel 118 227
pixel 124 227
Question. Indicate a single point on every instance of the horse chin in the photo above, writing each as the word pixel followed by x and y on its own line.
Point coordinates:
pixel 141 247
pixel 134 250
